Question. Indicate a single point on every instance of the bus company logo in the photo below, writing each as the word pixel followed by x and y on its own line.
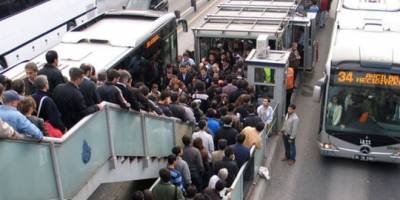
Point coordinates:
pixel 86 152
pixel 365 141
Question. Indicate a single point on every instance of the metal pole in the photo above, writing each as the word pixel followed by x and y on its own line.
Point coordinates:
pixel 145 141
pixel 110 139
pixel 56 169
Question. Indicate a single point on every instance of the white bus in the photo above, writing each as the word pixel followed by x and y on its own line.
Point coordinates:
pixel 142 42
pixel 360 93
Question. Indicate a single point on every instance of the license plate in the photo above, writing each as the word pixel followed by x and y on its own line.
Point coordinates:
pixel 363 157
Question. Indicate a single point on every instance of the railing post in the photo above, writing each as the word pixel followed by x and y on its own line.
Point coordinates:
pixel 145 140
pixel 56 169
pixel 110 139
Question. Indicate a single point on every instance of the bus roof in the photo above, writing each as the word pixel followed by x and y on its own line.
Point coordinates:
pixel 372 5
pixel 357 46
pixel 100 42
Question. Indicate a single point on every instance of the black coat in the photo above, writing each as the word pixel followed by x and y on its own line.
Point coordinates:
pixel 49 111
pixel 252 120
pixel 178 111
pixel 188 78
pixel 53 74
pixel 231 166
pixel 227 133
pixel 70 102
pixel 111 93
pixel 129 96
pixel 88 89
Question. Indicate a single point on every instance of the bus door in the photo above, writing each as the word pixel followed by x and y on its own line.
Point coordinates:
pixel 304 34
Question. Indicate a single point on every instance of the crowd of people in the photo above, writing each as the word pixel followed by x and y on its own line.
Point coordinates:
pixel 211 94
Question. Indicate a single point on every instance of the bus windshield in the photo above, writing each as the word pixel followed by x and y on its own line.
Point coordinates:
pixel 364 103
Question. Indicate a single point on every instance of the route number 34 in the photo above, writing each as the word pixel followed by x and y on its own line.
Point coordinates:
pixel 345 77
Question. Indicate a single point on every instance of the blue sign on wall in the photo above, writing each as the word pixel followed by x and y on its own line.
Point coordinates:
pixel 86 152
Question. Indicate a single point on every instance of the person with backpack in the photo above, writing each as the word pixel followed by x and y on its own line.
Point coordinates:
pixel 165 190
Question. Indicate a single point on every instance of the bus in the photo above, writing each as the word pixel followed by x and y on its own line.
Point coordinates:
pixel 360 91
pixel 142 42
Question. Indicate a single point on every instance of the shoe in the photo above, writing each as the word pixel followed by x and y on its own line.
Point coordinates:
pixel 284 159
pixel 291 162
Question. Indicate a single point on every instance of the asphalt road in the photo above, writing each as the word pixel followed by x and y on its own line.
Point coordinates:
pixel 317 178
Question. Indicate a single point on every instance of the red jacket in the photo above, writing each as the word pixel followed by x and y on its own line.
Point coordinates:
pixel 324 5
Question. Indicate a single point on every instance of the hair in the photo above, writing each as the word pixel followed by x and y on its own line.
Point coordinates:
pixel 200 86
pixel 171 159
pixel 244 98
pixel 230 107
pixel 222 143
pixel 144 90
pixel 186 140
pixel 223 173
pixel 25 104
pixel 85 67
pixel 41 82
pixel 164 94
pixel 202 124
pixel 176 150
pixel 138 195
pixel 183 99
pixel 223 111
pixel 165 175
pixel 211 112
pixel 191 191
pixel 229 78
pixel 112 74
pixel 102 76
pixel 240 138
pixel 174 96
pixel 198 143
pixel 220 185
pixel 18 85
pixel 125 76
pixel 292 106
pixel 31 66
pixel 228 152
pixel 200 196
pixel 75 74
pixel 267 98
pixel 227 120
pixel 51 56
pixel 260 126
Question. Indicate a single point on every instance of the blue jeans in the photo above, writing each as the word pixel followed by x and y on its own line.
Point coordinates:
pixel 290 147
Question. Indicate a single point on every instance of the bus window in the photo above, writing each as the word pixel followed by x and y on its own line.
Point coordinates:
pixel 264 90
pixel 264 75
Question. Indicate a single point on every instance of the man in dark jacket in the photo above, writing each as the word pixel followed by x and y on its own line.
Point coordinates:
pixel 165 190
pixel 226 132
pixel 229 163
pixel 50 69
pixel 242 153
pixel 177 110
pixel 110 92
pixel 70 101
pixel 31 71
pixel 185 76
pixel 88 87
pixel 125 84
pixel 252 118
pixel 46 108
pixel 193 158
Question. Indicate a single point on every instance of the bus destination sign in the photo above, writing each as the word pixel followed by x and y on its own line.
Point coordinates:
pixel 367 79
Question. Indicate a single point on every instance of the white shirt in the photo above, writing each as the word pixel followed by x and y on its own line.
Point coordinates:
pixel 213 181
pixel 207 140
pixel 266 114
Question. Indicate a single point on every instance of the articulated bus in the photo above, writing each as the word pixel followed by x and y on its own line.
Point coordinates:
pixel 360 92
pixel 142 42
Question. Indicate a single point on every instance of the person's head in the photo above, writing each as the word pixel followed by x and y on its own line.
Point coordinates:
pixel 102 76
pixel 177 151
pixel 198 143
pixel 200 196
pixel 165 175
pixel 86 69
pixel 113 76
pixel 144 90
pixel 227 120
pixel 291 108
pixel 26 106
pixel 11 98
pixel 165 97
pixel 183 68
pixel 240 138
pixel 211 113
pixel 229 78
pixel 294 45
pixel 174 97
pixel 171 160
pixel 41 83
pixel 183 99
pixel 191 191
pixel 19 86
pixel 154 87
pixel 186 140
pixel 200 86
pixel 76 75
pixel 211 57
pixel 52 57
pixel 215 68
pixel 266 101
pixel 335 100
pixel 125 77
pixel 229 153
pixel 138 195
pixel 223 174
pixel 185 56
pixel 31 70
pixel 222 144
pixel 260 126
pixel 219 186
pixel 203 124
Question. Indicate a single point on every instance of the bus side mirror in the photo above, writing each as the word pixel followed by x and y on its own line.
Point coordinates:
pixel 184 24
pixel 317 93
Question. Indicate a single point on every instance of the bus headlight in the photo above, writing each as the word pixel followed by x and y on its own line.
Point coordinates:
pixel 328 146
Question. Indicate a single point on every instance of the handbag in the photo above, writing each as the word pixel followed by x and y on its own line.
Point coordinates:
pixel 53 131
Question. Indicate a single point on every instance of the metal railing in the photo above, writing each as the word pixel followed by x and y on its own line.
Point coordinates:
pixel 248 172
pixel 57 168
